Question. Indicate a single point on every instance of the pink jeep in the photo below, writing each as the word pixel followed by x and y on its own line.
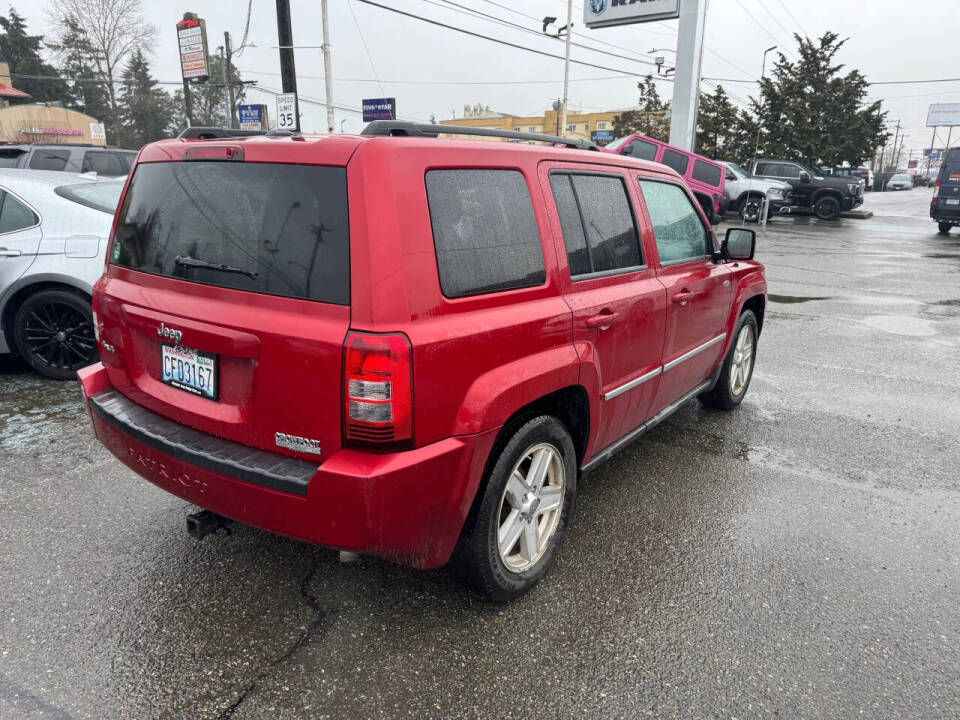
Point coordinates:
pixel 703 176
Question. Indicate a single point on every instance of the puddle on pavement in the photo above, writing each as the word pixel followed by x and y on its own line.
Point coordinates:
pixel 791 299
pixel 31 407
pixel 942 256
pixel 901 324
pixel 941 309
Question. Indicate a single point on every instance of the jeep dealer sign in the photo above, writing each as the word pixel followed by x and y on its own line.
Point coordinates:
pixel 605 13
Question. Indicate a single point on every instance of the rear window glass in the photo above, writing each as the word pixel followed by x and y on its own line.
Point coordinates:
pixel 642 149
pixel 484 231
pixel 102 196
pixel 270 228
pixel 675 160
pixel 103 163
pixel 43 159
pixel 706 173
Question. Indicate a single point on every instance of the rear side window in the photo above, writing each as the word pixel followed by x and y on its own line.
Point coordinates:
pixel 269 228
pixel 675 160
pixel 484 231
pixel 677 228
pixel 599 231
pixel 706 173
pixel 126 160
pixel 14 215
pixel 10 158
pixel 788 170
pixel 44 159
pixel 642 149
pixel 103 163
pixel 767 169
pixel 102 196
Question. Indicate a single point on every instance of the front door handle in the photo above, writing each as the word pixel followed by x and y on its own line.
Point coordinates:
pixel 603 320
pixel 683 297
pixel 9 253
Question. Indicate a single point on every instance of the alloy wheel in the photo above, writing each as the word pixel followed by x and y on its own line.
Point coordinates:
pixel 60 336
pixel 742 362
pixel 530 507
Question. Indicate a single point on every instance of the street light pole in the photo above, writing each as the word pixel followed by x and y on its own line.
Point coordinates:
pixel 228 66
pixel 327 67
pixel 756 147
pixel 566 70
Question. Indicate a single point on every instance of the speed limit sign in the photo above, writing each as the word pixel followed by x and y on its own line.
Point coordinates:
pixel 287 111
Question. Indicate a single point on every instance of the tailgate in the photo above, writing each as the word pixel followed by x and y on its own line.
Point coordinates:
pixel 227 300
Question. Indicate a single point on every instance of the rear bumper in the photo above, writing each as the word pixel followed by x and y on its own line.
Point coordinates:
pixel 944 213
pixel 408 507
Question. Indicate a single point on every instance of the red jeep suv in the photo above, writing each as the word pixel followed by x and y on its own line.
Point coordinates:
pixel 405 345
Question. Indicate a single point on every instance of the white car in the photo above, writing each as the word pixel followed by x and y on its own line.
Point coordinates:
pixel 901 181
pixel 54 228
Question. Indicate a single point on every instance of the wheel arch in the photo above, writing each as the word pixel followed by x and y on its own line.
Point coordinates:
pixel 759 194
pixel 31 285
pixel 827 192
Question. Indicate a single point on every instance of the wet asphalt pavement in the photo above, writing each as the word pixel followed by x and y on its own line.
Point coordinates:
pixel 799 557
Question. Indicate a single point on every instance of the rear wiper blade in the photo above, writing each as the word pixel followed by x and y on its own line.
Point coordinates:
pixel 207 265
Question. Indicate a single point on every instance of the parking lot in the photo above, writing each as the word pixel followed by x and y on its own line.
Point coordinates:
pixel 799 557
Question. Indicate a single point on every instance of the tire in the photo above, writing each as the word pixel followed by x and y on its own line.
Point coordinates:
pixel 827 208
pixel 749 209
pixel 502 574
pixel 944 227
pixel 732 385
pixel 53 333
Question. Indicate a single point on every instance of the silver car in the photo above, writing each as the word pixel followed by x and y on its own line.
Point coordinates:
pixel 54 228
pixel 901 181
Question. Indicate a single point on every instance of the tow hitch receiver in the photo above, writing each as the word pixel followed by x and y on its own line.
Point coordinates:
pixel 200 524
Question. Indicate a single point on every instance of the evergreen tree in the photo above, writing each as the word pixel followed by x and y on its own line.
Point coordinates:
pixel 650 118
pixel 210 98
pixel 810 112
pixel 22 53
pixel 717 126
pixel 145 109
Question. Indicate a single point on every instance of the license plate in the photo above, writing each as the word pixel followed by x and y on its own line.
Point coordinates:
pixel 189 370
pixel 952 201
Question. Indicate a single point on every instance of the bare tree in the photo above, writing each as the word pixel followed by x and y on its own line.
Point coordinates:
pixel 113 29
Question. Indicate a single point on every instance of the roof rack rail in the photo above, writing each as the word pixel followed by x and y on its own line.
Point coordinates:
pixel 209 133
pixel 410 129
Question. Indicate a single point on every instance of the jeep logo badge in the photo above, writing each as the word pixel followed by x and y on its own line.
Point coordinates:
pixel 165 332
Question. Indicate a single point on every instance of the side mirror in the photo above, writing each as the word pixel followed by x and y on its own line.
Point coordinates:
pixel 731 176
pixel 804 176
pixel 739 244
pixel 628 150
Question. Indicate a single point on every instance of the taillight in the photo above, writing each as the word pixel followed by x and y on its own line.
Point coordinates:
pixel 377 388
pixel 936 189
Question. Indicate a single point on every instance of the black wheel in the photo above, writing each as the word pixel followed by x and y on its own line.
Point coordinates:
pixel 515 530
pixel 750 209
pixel 53 332
pixel 827 208
pixel 737 368
pixel 944 227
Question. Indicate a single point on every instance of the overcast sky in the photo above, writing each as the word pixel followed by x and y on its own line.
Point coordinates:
pixel 436 71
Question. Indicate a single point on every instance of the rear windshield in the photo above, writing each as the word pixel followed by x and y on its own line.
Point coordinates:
pixel 102 196
pixel 268 228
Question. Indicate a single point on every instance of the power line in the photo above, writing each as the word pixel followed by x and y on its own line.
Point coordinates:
pixel 443 82
pixel 767 11
pixel 758 23
pixel 503 42
pixel 790 15
pixel 366 50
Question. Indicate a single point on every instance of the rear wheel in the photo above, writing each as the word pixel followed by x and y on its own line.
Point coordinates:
pixel 737 368
pixel 827 208
pixel 511 540
pixel 53 332
pixel 944 227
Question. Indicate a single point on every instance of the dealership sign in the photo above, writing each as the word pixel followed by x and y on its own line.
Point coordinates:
pixel 601 136
pixel 943 114
pixel 192 40
pixel 253 117
pixel 606 13
pixel 379 109
pixel 50 131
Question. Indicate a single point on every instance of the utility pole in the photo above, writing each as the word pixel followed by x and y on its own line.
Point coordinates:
pixel 327 67
pixel 228 72
pixel 896 155
pixel 566 71
pixel 288 72
pixel 188 102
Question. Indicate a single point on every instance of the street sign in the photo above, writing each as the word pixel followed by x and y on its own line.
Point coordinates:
pixel 943 114
pixel 607 13
pixel 379 109
pixel 253 117
pixel 287 111
pixel 192 43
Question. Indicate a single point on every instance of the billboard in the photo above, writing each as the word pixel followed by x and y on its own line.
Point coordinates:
pixel 943 114
pixel 379 109
pixel 253 117
pixel 601 136
pixel 607 13
pixel 192 44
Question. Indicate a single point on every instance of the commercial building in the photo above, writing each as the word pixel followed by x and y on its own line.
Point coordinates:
pixel 596 126
pixel 40 122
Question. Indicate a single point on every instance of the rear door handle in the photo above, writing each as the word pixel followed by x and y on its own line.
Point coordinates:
pixel 9 253
pixel 603 320
pixel 683 297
